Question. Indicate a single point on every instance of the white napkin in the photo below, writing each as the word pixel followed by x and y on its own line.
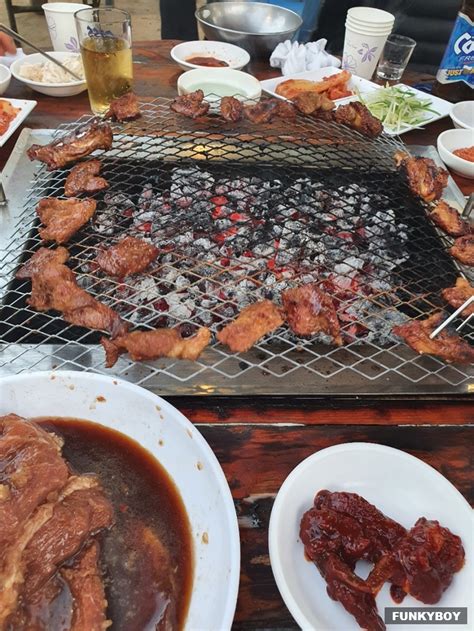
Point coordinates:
pixel 7 60
pixel 293 57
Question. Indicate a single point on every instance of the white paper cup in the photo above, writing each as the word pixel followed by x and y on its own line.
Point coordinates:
pixel 367 15
pixel 364 28
pixel 362 50
pixel 61 25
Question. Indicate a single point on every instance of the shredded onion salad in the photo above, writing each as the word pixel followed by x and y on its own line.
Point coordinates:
pixel 398 108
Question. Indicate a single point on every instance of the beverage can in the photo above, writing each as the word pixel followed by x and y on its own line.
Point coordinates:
pixel 458 59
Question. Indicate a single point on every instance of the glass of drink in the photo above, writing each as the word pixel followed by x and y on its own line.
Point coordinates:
pixel 105 38
pixel 395 57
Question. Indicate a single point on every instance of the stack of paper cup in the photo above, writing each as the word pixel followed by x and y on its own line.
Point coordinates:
pixel 61 24
pixel 367 30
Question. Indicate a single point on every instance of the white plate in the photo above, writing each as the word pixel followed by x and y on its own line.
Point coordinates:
pixel 235 56
pixel 402 487
pixel 184 453
pixel 363 87
pixel 25 108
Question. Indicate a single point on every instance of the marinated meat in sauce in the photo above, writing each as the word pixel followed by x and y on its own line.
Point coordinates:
pixel 463 249
pixel 83 178
pixel 124 108
pixel 77 144
pixel 343 528
pixel 309 310
pixel 449 220
pixel 63 217
pixel 449 346
pixel 231 109
pixel 425 179
pixel 54 286
pixel 252 323
pixel 128 256
pixel 208 62
pixel 191 105
pixel 357 116
pixel 457 296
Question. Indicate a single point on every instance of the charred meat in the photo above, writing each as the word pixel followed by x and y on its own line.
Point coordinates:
pixel 309 310
pixel 191 105
pixel 449 220
pixel 83 178
pixel 54 286
pixel 253 322
pixel 425 179
pixel 73 146
pixel 463 249
pixel 148 345
pixel 231 109
pixel 63 217
pixel 124 108
pixel 447 346
pixel 357 116
pixel 313 103
pixel 457 295
pixel 262 112
pixel 128 256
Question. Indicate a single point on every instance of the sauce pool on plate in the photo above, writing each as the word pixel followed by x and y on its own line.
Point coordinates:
pixel 208 62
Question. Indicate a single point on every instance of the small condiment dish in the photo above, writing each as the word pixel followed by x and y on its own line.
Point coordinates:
pixel 50 89
pixel 234 56
pixel 462 115
pixel 451 140
pixel 5 78
pixel 219 82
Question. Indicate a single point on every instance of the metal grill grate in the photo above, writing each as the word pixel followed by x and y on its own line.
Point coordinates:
pixel 240 214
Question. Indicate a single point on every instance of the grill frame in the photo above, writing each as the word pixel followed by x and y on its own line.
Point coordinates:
pixel 354 370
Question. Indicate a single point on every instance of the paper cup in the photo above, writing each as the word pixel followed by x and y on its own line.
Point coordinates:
pixel 362 51
pixel 61 25
pixel 367 15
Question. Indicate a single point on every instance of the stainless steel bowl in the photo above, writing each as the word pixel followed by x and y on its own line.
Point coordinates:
pixel 255 26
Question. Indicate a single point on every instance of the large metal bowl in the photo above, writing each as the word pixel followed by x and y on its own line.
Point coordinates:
pixel 255 26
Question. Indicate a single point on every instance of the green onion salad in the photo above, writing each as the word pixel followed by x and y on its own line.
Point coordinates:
pixel 397 108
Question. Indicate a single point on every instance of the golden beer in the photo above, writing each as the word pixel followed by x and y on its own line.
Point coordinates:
pixel 108 69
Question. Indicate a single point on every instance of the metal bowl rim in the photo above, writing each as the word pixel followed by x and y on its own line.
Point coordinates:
pixel 230 30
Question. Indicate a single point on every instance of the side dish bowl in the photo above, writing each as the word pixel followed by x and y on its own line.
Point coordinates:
pixel 50 89
pixel 5 78
pixel 462 115
pixel 219 82
pixel 453 139
pixel 234 56
pixel 181 450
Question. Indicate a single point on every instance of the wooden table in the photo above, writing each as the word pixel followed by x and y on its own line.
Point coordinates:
pixel 260 440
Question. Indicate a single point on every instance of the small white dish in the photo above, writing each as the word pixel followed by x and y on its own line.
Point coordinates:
pixel 219 82
pixel 24 107
pixel 453 139
pixel 181 450
pixel 401 486
pixel 5 78
pixel 462 115
pixel 234 56
pixel 50 89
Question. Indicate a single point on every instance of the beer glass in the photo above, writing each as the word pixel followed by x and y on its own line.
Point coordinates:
pixel 105 38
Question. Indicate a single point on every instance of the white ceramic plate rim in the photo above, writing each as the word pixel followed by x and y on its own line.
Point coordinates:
pixel 300 470
pixel 236 57
pixel 25 108
pixel 15 67
pixel 231 517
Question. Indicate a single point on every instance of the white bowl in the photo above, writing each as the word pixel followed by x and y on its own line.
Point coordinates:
pixel 5 78
pixel 51 89
pixel 219 82
pixel 184 453
pixel 401 486
pixel 462 114
pixel 234 56
pixel 451 140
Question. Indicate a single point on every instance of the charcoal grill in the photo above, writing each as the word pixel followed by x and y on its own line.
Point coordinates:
pixel 241 213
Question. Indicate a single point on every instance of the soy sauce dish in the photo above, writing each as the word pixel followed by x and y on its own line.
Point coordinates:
pixel 165 539
pixel 219 82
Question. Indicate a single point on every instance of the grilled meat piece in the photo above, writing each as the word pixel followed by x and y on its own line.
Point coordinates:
pixel 63 217
pixel 231 109
pixel 38 612
pixel 447 346
pixel 449 220
pixel 309 310
pixel 457 295
pixel 191 105
pixel 425 179
pixel 148 345
pixel 463 249
pixel 313 103
pixel 262 112
pixel 128 256
pixel 83 179
pixel 252 323
pixel 77 144
pixel 87 590
pixel 286 110
pixel 54 286
pixel 124 108
pixel 357 116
